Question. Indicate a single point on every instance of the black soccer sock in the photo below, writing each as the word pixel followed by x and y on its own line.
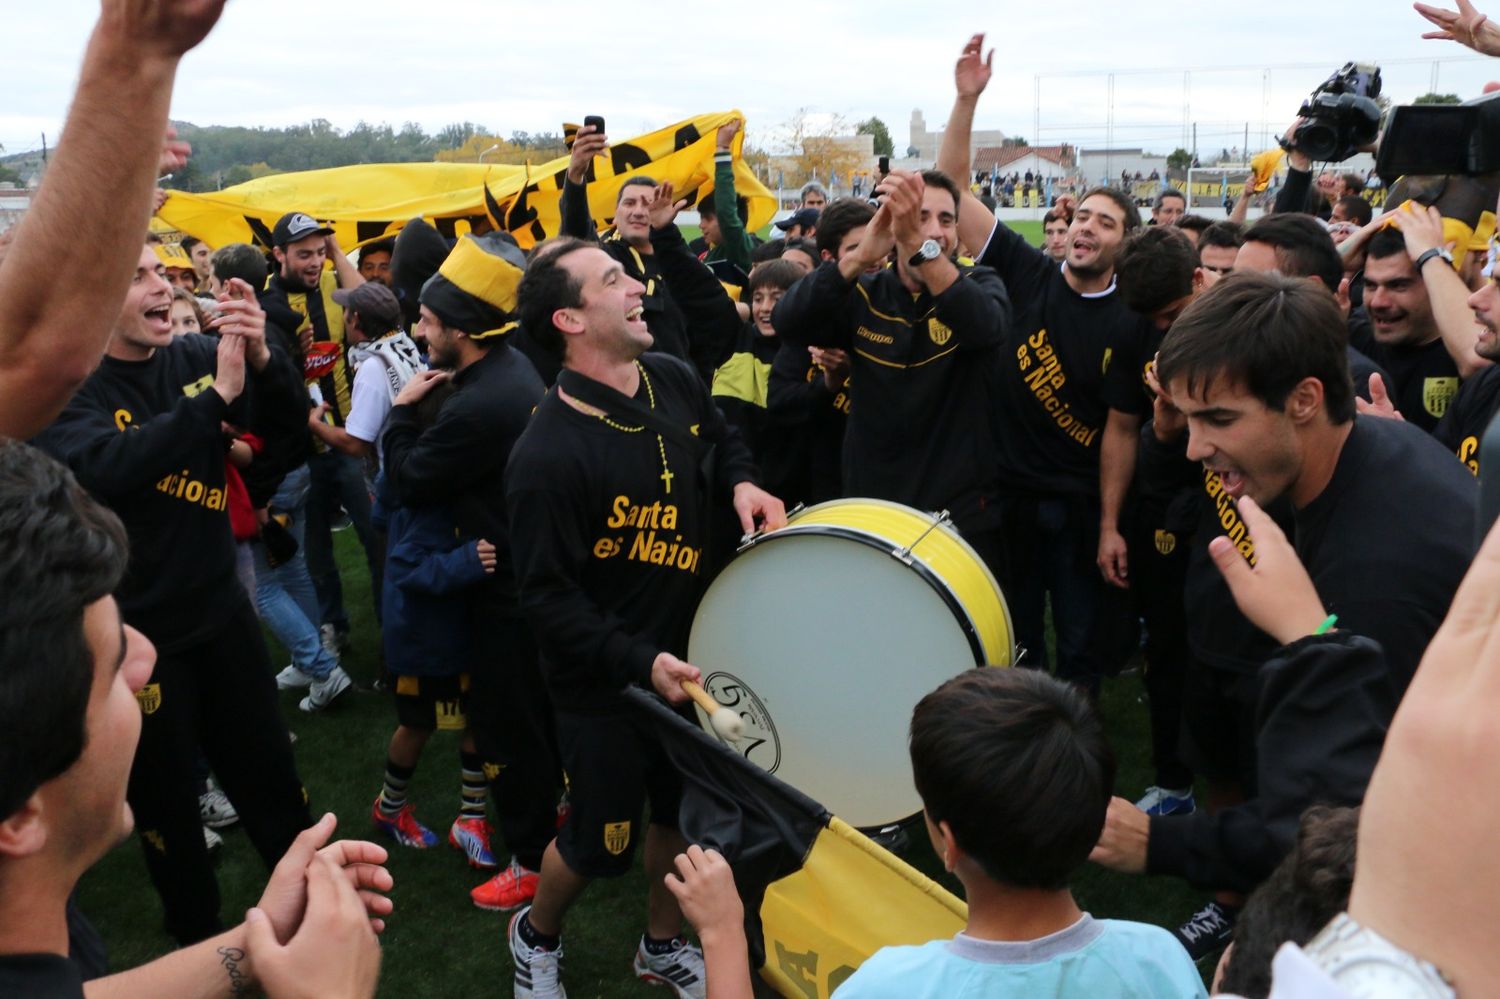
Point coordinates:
pixel 532 938
pixel 393 792
pixel 475 787
pixel 657 947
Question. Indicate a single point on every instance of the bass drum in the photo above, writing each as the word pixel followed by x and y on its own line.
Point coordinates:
pixel 825 634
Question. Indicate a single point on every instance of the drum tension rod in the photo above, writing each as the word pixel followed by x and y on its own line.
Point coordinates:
pixel 749 540
pixel 904 554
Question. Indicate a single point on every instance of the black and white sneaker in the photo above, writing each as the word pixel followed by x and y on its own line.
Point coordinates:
pixel 1208 931
pixel 680 969
pixel 538 970
pixel 324 692
pixel 215 810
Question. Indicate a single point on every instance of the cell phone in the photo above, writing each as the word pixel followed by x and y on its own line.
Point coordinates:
pixel 884 164
pixel 596 121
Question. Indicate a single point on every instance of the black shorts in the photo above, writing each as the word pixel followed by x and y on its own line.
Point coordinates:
pixel 432 702
pixel 1218 723
pixel 614 766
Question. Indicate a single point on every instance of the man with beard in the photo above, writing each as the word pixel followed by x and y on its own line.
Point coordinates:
pixel 1070 327
pixel 1419 328
pixel 299 298
pixel 611 521
pixel 1462 426
pixel 468 310
pixel 144 435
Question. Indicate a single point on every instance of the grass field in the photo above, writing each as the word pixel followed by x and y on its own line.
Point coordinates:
pixel 437 943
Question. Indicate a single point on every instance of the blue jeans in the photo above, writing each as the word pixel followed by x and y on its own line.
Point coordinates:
pixel 338 480
pixel 284 596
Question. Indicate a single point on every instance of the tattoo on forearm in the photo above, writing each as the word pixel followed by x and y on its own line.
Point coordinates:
pixel 231 957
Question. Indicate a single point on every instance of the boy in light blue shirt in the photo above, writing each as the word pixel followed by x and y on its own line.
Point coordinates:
pixel 1015 776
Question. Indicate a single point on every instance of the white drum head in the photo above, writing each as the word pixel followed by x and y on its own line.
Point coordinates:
pixel 824 645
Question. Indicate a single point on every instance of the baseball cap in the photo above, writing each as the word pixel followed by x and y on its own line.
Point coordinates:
pixel 297 225
pixel 379 311
pixel 804 217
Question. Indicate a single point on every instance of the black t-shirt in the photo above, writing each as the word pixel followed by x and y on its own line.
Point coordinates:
pixel 145 438
pixel 1390 537
pixel 1463 425
pixel 609 530
pixel 1054 390
pixel 1219 635
pixel 39 976
pixel 806 420
pixel 460 459
pixel 1423 380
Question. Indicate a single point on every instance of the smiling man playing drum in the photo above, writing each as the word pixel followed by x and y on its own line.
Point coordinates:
pixel 610 519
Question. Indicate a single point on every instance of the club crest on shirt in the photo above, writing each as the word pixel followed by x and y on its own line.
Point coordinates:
pixel 616 837
pixel 198 387
pixel 1437 392
pixel 450 716
pixel 1166 542
pixel 938 332
pixel 149 698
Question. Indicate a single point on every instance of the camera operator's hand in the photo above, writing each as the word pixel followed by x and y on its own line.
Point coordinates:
pixel 1466 26
pixel 1295 158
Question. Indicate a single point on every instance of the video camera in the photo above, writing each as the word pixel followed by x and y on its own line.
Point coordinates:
pixel 1426 139
pixel 1340 115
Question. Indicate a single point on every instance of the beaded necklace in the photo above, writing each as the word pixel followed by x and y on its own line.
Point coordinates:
pixel 661 446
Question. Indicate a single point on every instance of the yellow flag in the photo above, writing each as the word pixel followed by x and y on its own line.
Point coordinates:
pixel 363 203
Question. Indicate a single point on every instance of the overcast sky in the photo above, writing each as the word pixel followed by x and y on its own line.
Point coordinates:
pixel 516 66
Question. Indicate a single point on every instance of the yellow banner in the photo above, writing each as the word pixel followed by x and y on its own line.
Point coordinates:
pixel 849 899
pixel 363 203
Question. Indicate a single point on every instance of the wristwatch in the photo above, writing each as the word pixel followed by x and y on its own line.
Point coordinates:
pixel 1364 963
pixel 1436 251
pixel 926 253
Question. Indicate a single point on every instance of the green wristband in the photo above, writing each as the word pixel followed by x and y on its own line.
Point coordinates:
pixel 1327 625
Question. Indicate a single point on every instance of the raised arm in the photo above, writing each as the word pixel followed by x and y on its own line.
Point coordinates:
pixel 91 212
pixel 573 205
pixel 736 242
pixel 1422 228
pixel 970 76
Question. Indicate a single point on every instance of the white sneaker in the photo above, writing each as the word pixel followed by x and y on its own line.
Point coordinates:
pixel 327 690
pixel 538 971
pixel 212 840
pixel 680 969
pixel 215 809
pixel 292 678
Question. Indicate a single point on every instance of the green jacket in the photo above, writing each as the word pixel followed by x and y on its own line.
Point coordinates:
pixel 736 243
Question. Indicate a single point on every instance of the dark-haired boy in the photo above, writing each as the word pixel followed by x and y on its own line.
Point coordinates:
pixel 1015 773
